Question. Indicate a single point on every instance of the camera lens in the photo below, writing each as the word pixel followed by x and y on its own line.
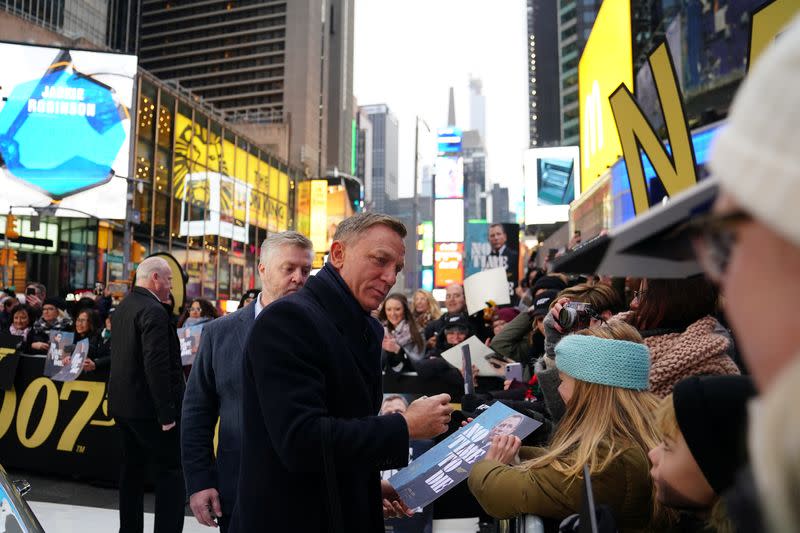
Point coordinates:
pixel 567 317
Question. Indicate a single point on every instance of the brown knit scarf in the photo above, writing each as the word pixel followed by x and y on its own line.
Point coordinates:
pixel 698 350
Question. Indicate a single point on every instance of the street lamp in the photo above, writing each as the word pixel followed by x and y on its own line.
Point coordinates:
pixel 415 211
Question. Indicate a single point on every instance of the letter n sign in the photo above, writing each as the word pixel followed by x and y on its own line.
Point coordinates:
pixel 677 171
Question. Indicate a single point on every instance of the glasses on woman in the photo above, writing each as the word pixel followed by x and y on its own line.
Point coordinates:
pixel 713 238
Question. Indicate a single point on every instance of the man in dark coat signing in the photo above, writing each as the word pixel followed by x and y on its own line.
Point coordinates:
pixel 313 444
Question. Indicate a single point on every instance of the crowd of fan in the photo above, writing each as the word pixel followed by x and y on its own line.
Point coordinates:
pixel 32 315
pixel 648 391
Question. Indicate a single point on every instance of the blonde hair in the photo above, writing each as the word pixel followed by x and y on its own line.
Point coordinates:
pixel 433 305
pixel 666 420
pixel 667 425
pixel 614 329
pixel 601 417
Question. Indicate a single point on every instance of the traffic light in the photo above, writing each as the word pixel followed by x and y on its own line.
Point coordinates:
pixel 11 227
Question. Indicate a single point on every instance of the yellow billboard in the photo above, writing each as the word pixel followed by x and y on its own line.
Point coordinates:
pixel 607 62
pixel 250 191
pixel 319 214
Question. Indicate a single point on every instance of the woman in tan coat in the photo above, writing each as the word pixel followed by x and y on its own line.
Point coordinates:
pixel 608 425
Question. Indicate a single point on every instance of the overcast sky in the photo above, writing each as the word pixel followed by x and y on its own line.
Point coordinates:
pixel 408 54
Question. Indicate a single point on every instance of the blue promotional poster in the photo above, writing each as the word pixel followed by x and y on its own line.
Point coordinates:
pixel 189 338
pixel 59 352
pixel 73 365
pixel 450 462
pixel 490 246
pixel 65 123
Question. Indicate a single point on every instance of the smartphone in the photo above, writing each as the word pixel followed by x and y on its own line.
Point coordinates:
pixel 514 371
pixel 30 291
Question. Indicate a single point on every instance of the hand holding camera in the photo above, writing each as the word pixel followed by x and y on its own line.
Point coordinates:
pixel 572 316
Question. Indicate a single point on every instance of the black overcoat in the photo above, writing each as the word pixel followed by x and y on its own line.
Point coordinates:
pixel 146 379
pixel 313 359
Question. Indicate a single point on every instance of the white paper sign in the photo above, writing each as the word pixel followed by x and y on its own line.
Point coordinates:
pixel 478 352
pixel 488 285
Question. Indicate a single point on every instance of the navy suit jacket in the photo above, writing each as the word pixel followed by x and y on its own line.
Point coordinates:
pixel 314 356
pixel 214 390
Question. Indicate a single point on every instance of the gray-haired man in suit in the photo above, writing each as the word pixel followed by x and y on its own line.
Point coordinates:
pixel 214 384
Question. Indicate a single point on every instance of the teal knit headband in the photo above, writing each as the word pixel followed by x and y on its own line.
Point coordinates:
pixel 604 361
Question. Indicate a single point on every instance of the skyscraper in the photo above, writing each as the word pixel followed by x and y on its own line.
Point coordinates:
pixel 575 22
pixel 474 155
pixel 84 21
pixel 544 113
pixel 500 212
pixel 364 153
pixel 282 70
pixel 341 110
pixel 385 139
pixel 477 107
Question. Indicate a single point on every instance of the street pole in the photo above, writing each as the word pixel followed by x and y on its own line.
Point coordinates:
pixel 5 264
pixel 415 209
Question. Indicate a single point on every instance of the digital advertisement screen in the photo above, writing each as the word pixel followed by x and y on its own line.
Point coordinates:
pixel 606 62
pixel 449 140
pixel 448 221
pixel 65 130
pixel 449 177
pixel 448 263
pixel 552 182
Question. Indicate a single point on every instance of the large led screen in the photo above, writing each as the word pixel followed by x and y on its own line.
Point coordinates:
pixel 449 181
pixel 448 221
pixel 552 182
pixel 448 263
pixel 606 62
pixel 449 140
pixel 65 129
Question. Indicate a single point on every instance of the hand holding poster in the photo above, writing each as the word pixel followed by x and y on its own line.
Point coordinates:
pixel 450 461
pixel 480 355
pixel 189 338
pixel 484 286
pixel 73 364
pixel 59 352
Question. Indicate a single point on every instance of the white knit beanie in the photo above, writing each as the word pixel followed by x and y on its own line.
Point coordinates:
pixel 756 156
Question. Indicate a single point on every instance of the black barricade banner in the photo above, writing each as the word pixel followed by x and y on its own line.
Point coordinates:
pixel 58 427
pixel 9 358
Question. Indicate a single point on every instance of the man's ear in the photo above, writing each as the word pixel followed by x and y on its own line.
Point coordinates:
pixel 336 256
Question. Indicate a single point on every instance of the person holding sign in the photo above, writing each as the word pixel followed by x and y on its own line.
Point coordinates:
pixel 608 425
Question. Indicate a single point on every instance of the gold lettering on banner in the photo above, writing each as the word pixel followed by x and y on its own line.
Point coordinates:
pixel 6 351
pixel 7 410
pixel 94 397
pixel 45 424
pixel 676 171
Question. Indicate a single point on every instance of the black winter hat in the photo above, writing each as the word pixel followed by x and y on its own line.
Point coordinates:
pixel 458 321
pixel 712 415
pixel 554 283
pixel 58 303
pixel 541 304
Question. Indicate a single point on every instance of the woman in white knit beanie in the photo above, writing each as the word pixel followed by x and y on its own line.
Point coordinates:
pixel 751 246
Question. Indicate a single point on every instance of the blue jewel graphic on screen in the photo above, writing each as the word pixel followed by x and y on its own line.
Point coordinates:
pixel 62 132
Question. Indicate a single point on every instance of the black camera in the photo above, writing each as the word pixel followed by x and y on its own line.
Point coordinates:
pixel 576 315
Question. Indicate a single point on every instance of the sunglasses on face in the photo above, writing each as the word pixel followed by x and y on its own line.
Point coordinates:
pixel 713 237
